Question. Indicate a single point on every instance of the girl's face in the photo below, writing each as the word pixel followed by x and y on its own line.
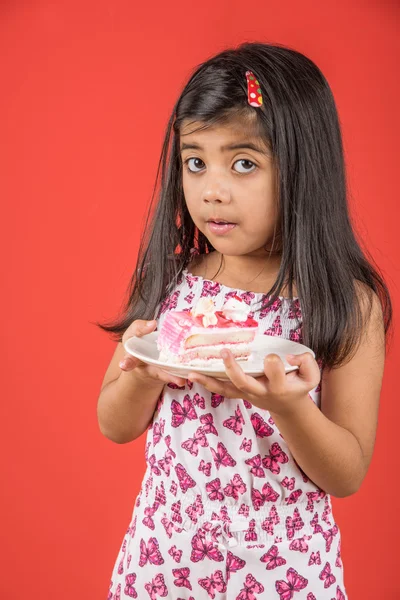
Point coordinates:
pixel 229 183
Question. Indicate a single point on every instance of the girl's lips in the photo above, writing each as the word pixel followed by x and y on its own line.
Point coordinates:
pixel 220 228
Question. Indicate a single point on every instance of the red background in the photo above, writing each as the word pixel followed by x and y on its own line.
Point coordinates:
pixel 79 146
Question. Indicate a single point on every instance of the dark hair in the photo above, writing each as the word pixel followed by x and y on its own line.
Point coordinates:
pixel 320 253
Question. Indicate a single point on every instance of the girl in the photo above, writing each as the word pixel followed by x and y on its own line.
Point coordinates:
pixel 235 502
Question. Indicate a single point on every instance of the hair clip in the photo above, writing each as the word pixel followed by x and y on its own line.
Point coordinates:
pixel 254 95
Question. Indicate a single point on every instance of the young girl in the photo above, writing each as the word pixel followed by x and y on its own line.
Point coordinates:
pixel 235 502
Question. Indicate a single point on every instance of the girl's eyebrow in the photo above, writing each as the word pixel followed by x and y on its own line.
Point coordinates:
pixel 237 146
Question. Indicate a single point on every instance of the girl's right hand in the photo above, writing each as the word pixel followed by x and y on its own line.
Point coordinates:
pixel 146 372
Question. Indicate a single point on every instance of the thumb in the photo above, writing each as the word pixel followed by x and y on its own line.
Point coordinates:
pixel 308 367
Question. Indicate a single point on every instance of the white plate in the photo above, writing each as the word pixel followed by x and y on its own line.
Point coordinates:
pixel 145 348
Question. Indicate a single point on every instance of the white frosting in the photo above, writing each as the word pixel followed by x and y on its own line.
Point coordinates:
pixel 206 308
pixel 235 310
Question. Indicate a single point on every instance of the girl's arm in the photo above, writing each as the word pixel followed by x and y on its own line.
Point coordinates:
pixel 126 402
pixel 334 445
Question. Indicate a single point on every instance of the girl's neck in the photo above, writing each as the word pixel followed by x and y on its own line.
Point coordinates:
pixel 252 273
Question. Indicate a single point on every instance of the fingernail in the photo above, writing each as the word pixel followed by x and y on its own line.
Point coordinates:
pixel 149 323
pixel 122 364
pixel 224 353
pixel 290 356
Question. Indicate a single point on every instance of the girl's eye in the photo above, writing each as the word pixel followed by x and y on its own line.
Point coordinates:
pixel 196 168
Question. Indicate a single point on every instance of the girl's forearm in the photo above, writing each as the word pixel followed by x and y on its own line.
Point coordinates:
pixel 328 454
pixel 126 406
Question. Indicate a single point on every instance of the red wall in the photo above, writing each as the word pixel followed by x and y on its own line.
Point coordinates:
pixel 79 146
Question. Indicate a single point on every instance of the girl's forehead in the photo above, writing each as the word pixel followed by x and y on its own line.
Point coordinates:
pixel 234 130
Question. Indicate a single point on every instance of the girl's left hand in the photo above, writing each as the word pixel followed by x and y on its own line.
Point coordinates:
pixel 276 391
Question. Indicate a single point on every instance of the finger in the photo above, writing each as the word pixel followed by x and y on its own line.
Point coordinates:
pixel 128 363
pixel 274 370
pixel 241 381
pixel 210 383
pixel 308 366
pixel 144 327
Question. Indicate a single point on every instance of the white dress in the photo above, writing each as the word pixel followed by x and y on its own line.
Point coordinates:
pixel 224 510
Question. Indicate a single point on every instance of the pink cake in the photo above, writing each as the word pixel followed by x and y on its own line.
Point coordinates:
pixel 198 336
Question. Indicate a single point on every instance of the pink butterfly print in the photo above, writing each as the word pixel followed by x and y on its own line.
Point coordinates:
pixel 310 596
pixel 260 426
pixel 199 401
pixel 158 431
pixel 132 527
pixel 233 564
pixel 214 489
pixel 236 422
pixel 327 512
pixel 150 553
pixel 276 456
pixel 270 521
pixel 288 483
pixel 173 488
pixel 159 494
pixel 170 452
pixel 251 534
pixel 293 524
pixel 327 576
pixel 189 297
pixel 247 403
pixel 149 512
pixel 173 386
pixel 191 280
pixel 294 496
pixel 314 523
pixel 182 577
pixel 185 481
pixel 169 303
pixel 329 535
pixel 300 544
pixel 296 335
pixel 315 558
pixel 338 561
pixel 175 553
pixel 251 587
pixel 210 288
pixel 117 595
pixel 255 463
pixel 207 422
pixel 246 445
pixel 202 549
pixel 128 562
pixel 313 497
pixel 294 583
pixel 121 567
pixel 216 399
pixel 222 457
pixel 275 329
pixel 154 468
pixel 274 307
pixel 267 494
pixel 195 509
pixel 214 583
pixel 205 467
pixel 157 587
pixel 193 443
pixel 235 487
pixel 244 510
pixel 129 589
pixel 339 594
pixel 272 558
pixel 168 526
pixel 176 512
pixel 181 413
pixel 295 310
pixel 165 464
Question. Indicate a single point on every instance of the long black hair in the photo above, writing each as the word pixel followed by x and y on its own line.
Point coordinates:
pixel 298 121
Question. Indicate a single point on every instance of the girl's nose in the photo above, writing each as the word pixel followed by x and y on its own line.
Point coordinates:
pixel 216 192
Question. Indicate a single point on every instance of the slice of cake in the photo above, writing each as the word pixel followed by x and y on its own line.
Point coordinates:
pixel 198 336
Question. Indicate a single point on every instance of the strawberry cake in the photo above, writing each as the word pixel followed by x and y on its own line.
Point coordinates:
pixel 198 336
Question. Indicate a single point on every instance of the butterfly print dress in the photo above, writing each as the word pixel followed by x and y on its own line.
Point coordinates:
pixel 224 511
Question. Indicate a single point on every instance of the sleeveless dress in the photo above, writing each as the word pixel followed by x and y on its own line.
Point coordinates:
pixel 224 511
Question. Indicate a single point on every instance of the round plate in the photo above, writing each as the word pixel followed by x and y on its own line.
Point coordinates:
pixel 145 348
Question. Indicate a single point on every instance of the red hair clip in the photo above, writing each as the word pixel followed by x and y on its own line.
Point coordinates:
pixel 254 95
